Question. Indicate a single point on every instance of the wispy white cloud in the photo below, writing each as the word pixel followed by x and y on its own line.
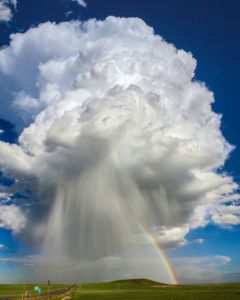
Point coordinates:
pixel 201 269
pixel 30 260
pixel 199 241
pixel 81 2
pixel 14 3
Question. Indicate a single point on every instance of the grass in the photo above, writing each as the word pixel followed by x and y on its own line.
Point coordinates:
pixel 16 290
pixel 138 289
pixel 143 289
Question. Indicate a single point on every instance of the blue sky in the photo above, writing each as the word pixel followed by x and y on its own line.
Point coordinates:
pixel 210 30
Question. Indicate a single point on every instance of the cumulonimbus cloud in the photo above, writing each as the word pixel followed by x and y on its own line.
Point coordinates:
pixel 110 113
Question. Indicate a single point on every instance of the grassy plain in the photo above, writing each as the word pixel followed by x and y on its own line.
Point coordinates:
pixel 16 290
pixel 138 289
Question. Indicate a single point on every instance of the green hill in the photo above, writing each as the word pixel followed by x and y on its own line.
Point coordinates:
pixel 140 283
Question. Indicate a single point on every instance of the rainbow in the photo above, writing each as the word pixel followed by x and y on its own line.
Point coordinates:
pixel 161 254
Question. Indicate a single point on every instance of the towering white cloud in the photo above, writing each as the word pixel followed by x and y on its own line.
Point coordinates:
pixel 115 133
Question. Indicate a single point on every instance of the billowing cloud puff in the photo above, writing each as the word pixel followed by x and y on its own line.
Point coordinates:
pixel 115 135
pixel 5 12
pixel 227 215
pixel 11 217
pixel 5 9
pixel 174 236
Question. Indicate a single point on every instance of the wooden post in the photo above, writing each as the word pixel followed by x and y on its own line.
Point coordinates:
pixel 48 288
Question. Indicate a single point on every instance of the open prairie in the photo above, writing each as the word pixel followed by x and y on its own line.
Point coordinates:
pixel 139 289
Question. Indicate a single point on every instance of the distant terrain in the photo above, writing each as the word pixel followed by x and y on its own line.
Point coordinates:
pixel 139 289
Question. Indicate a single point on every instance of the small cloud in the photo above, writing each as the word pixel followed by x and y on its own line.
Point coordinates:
pixel 222 259
pixel 68 13
pixel 5 12
pixel 6 9
pixel 199 241
pixel 81 2
pixel 5 197
pixel 172 237
pixel 167 237
pixel 2 131
pixel 14 3
pixel 227 215
pixel 11 217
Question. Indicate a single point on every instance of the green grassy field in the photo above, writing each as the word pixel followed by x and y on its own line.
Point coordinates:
pixel 139 289
pixel 16 290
